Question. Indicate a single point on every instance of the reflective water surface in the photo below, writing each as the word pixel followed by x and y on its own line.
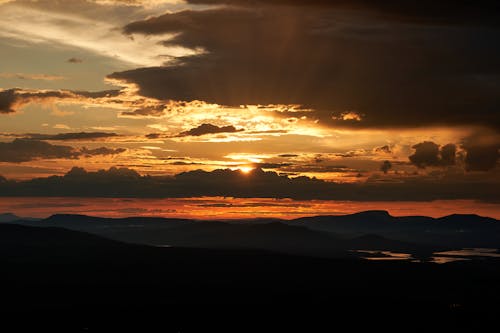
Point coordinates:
pixel 437 257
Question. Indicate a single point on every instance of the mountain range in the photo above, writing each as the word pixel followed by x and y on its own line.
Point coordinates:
pixel 324 236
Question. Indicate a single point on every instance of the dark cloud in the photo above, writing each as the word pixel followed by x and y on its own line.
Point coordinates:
pixel 184 163
pixel 22 150
pixel 319 159
pixel 151 110
pixel 7 98
pixel 70 136
pixel 306 168
pixel 430 154
pixel 426 154
pixel 448 154
pixel 483 12
pixel 482 152
pixel 128 183
pixel 201 130
pixel 96 94
pixel 75 60
pixel 112 173
pixel 272 165
pixel 350 153
pixel 256 204
pixel 11 99
pixel 101 151
pixel 333 60
pixel 386 166
pixel 384 149
pixel 204 129
pixel 154 135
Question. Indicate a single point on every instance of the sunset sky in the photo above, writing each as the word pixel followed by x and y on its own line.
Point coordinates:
pixel 392 100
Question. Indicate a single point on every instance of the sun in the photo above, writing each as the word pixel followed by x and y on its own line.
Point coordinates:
pixel 245 169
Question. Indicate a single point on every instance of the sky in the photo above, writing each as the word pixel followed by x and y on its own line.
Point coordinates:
pixel 311 100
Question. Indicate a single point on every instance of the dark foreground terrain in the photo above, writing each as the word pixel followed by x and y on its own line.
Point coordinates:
pixel 73 281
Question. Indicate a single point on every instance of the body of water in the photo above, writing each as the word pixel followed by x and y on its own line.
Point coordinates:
pixel 437 257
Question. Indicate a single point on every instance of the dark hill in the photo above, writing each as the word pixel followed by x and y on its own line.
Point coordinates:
pixel 71 281
pixel 272 235
pixel 319 235
pixel 8 217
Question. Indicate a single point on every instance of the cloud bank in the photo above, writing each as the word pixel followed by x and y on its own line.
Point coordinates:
pixel 399 64
pixel 22 150
pixel 123 182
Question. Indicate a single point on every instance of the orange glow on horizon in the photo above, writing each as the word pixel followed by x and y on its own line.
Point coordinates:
pixel 212 208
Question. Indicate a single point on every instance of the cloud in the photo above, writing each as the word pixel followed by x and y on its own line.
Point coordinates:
pixel 21 76
pixel 154 135
pixel 430 154
pixel 113 172
pixel 332 59
pixel 7 98
pixel 147 3
pixel 74 60
pixel 482 152
pixel 426 154
pixel 21 150
pixel 288 155
pixel 383 149
pixel 295 169
pixel 27 150
pixel 348 116
pixel 122 182
pixel 448 154
pixel 66 24
pixel 351 153
pixel 13 99
pixel 482 12
pixel 261 120
pixel 61 126
pixel 101 151
pixel 386 166
pixel 70 136
pixel 204 129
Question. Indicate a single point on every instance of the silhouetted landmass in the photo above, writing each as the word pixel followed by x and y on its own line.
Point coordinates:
pixel 8 217
pixel 449 231
pixel 58 278
pixel 272 235
pixel 331 236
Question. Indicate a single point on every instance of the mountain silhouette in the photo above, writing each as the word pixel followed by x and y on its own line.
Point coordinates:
pixel 271 235
pixel 8 217
pixel 59 278
pixel 318 236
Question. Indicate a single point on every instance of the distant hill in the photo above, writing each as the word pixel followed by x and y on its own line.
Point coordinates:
pixel 318 235
pixel 8 217
pixel 376 221
pixel 18 235
pixel 272 236
pixel 450 231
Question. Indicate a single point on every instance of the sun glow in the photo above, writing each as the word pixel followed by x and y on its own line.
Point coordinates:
pixel 245 169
